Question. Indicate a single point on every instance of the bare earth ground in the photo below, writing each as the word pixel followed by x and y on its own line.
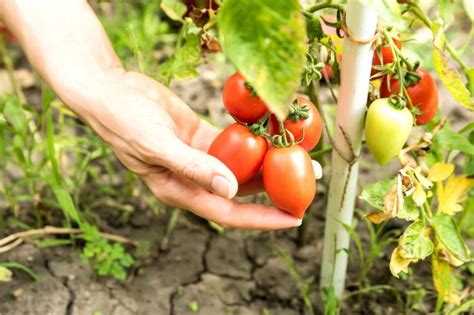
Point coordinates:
pixel 203 272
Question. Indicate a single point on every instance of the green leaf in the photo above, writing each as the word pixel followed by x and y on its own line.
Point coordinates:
pixel 182 65
pixel 375 193
pixel 448 75
pixel 266 41
pixel 415 243
pixel 14 113
pixel 467 218
pixel 5 274
pixel 174 9
pixel 450 140
pixel 448 234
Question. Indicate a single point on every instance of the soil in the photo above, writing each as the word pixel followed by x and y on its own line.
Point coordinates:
pixel 206 272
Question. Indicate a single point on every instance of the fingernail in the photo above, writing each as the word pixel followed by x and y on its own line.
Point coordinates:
pixel 221 186
pixel 298 223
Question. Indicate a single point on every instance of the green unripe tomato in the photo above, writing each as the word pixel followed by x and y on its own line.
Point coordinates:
pixel 387 129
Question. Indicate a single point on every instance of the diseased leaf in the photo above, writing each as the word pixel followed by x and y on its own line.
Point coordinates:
pixel 182 65
pixel 448 234
pixel 448 75
pixel 469 7
pixel 445 282
pixel 415 242
pixel 374 194
pixel 453 194
pixel 266 41
pixel 174 9
pixel 440 171
pixel 398 263
pixel 410 211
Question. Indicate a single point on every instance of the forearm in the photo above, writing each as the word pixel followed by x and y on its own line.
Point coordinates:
pixel 66 44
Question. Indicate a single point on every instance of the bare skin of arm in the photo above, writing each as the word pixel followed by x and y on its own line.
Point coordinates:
pixel 150 129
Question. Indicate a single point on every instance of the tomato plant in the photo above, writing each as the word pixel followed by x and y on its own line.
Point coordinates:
pixel 304 122
pixel 240 150
pixel 241 101
pixel 288 178
pixel 422 95
pixel 383 55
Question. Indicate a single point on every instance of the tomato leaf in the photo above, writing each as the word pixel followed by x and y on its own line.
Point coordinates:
pixel 445 10
pixel 448 234
pixel 450 140
pixel 440 171
pixel 446 283
pixel 453 194
pixel 174 9
pixel 182 65
pixel 448 75
pixel 374 194
pixel 415 243
pixel 398 263
pixel 410 210
pixel 266 41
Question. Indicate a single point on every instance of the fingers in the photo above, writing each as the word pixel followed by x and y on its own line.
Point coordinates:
pixel 195 165
pixel 254 186
pixel 318 170
pixel 183 193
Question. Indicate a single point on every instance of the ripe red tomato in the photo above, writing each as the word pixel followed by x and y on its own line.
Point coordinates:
pixel 386 54
pixel 240 150
pixel 288 178
pixel 328 70
pixel 423 95
pixel 313 127
pixel 239 101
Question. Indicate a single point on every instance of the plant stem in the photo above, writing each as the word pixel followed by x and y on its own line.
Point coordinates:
pixel 356 64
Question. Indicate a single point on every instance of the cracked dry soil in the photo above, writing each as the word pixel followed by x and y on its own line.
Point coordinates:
pixel 235 272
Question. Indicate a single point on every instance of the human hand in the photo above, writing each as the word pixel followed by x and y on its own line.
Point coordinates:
pixel 163 141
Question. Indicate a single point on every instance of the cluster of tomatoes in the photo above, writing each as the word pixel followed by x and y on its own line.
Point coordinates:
pixel 259 143
pixel 390 119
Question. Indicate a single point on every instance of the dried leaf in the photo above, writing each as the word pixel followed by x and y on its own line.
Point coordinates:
pixel 398 263
pixel 210 44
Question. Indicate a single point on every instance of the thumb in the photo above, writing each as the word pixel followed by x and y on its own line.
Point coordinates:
pixel 198 166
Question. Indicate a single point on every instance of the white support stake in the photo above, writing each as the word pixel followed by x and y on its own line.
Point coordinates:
pixel 361 21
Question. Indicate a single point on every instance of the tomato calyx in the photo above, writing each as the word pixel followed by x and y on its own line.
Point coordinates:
pixel 285 138
pixel 397 101
pixel 298 112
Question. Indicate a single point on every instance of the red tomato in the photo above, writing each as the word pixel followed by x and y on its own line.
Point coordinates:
pixel 288 178
pixel 328 70
pixel 239 101
pixel 423 95
pixel 386 54
pixel 240 150
pixel 313 127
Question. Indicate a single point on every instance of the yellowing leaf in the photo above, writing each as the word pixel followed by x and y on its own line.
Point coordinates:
pixel 378 217
pixel 445 282
pixel 445 254
pixel 419 195
pixel 448 75
pixel 440 171
pixel 453 194
pixel 398 263
pixel 422 179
